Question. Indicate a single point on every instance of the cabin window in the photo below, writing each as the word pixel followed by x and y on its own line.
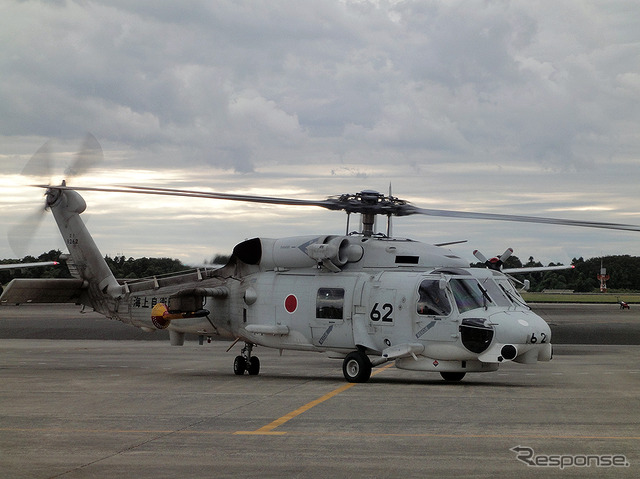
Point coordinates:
pixel 330 303
pixel 432 300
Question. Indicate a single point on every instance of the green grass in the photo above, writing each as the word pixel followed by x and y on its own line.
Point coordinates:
pixel 581 297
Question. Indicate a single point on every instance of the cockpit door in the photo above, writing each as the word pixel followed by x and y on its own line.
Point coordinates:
pixel 434 313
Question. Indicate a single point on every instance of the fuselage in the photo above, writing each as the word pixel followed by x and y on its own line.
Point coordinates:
pixel 429 318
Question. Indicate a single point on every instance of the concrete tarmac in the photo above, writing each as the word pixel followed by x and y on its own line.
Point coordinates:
pixel 126 408
pixel 570 324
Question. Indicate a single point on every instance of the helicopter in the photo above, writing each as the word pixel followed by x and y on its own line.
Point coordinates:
pixel 364 297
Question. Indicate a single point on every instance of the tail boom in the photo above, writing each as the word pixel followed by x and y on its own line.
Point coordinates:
pixel 66 206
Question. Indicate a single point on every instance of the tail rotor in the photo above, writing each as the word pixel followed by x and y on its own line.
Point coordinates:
pixel 89 156
pixel 38 169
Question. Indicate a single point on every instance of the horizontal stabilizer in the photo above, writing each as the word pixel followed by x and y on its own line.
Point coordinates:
pixel 52 290
pixel 28 265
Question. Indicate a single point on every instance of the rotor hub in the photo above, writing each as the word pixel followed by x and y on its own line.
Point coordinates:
pixel 370 202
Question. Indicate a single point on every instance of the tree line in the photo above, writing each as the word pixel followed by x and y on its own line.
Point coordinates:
pixel 122 267
pixel 624 271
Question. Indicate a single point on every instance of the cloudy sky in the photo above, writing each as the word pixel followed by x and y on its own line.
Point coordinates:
pixel 519 107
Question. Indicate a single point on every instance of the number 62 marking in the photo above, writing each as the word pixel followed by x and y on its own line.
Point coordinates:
pixel 384 315
pixel 534 339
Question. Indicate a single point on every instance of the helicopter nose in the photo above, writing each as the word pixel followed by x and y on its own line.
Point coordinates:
pixel 521 328
pixel 519 336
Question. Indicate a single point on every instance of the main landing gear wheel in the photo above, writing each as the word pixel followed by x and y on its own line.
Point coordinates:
pixel 239 365
pixel 246 362
pixel 452 377
pixel 356 367
pixel 253 368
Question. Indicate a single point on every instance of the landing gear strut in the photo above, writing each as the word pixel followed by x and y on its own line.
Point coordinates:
pixel 246 362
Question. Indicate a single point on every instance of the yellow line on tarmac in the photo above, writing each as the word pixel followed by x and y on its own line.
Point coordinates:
pixel 269 428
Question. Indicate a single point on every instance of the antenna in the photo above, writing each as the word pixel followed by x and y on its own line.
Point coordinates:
pixel 389 221
pixel 603 277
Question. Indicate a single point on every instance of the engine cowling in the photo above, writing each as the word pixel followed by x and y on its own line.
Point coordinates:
pixel 332 252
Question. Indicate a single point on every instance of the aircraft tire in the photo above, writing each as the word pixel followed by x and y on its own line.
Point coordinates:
pixel 356 367
pixel 239 365
pixel 254 366
pixel 452 377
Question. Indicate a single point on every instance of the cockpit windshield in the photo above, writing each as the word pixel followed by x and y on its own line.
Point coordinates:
pixel 468 294
pixel 507 288
pixel 472 294
pixel 496 293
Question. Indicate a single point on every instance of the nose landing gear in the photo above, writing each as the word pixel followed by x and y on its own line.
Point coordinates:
pixel 246 362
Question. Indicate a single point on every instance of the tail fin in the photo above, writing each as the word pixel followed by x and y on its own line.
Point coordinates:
pixel 66 206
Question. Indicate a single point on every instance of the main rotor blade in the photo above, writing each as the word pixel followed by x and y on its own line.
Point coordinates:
pixel 449 243
pixel 352 204
pixel 506 255
pixel 206 194
pixel 409 210
pixel 482 258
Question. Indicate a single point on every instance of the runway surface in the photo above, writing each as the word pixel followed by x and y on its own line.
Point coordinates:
pixel 127 408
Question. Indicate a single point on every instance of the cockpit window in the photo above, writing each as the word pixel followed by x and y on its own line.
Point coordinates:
pixel 496 293
pixel 432 299
pixel 508 289
pixel 468 294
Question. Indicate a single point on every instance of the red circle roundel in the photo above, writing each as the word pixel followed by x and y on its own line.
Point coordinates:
pixel 291 303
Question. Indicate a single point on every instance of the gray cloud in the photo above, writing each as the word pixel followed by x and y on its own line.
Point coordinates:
pixel 473 105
